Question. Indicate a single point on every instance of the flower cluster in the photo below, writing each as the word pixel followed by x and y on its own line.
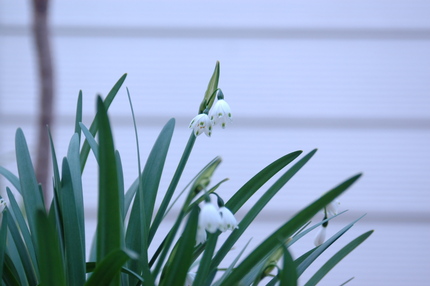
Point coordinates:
pixel 330 210
pixel 219 113
pixel 213 218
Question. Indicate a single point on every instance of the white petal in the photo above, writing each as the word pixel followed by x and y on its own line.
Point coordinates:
pixel 220 113
pixel 228 221
pixel 332 208
pixel 201 124
pixel 320 237
pixel 201 235
pixel 209 218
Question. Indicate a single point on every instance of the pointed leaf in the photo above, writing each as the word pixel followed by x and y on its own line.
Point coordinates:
pixel 335 259
pixel 51 266
pixel 73 241
pixel 109 227
pixel 285 231
pixel 33 200
pixel 94 125
pixel 176 268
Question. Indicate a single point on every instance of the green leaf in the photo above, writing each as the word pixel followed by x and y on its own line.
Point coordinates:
pixel 78 117
pixel 177 266
pixel 91 141
pixel 3 236
pixel 57 181
pixel 10 274
pixel 255 183
pixel 335 259
pixel 205 263
pixel 154 168
pixel 209 98
pixel 230 268
pixel 109 227
pixel 288 275
pixel 94 125
pixel 51 266
pixel 120 183
pixel 76 179
pixel 17 215
pixel 22 252
pixel 11 178
pixel 33 199
pixel 252 186
pixel 285 231
pixel 320 249
pixel 172 187
pixel 74 241
pixel 108 269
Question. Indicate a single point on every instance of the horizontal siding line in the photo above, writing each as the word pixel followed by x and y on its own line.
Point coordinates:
pixel 276 215
pixel 228 32
pixel 367 123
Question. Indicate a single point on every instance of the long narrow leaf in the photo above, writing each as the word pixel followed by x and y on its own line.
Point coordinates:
pixel 335 259
pixel 288 275
pixel 177 266
pixel 11 178
pixel 154 167
pixel 33 200
pixel 51 266
pixel 22 225
pixel 320 249
pixel 109 228
pixel 172 186
pixel 255 183
pixel 205 263
pixel 78 117
pixel 94 125
pixel 23 254
pixel 260 179
pixel 73 241
pixel 10 274
pixel 3 236
pixel 76 180
pixel 286 231
pixel 91 141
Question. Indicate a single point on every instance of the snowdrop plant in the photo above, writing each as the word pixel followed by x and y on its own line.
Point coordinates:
pixel 46 246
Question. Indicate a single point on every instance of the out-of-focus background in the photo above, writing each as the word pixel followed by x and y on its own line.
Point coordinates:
pixel 351 78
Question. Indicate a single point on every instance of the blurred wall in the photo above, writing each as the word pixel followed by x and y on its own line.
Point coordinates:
pixel 351 78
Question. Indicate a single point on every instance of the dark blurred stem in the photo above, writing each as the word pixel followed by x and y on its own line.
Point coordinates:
pixel 46 93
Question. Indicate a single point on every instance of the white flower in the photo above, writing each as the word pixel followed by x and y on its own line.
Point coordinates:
pixel 201 235
pixel 320 237
pixel 228 221
pixel 201 123
pixel 220 112
pixel 332 208
pixel 2 205
pixel 190 278
pixel 209 217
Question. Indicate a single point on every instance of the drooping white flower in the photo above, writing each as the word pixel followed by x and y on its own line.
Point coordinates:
pixel 228 221
pixel 320 237
pixel 201 123
pixel 190 278
pixel 209 217
pixel 201 235
pixel 220 113
pixel 332 208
